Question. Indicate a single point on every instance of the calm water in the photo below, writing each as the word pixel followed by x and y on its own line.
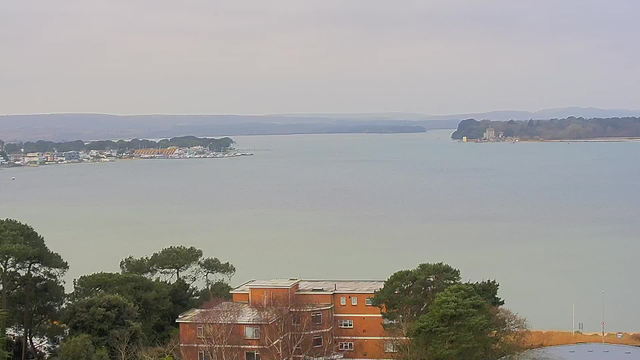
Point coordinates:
pixel 553 223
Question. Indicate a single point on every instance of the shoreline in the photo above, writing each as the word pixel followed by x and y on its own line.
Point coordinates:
pixel 617 139
pixel 594 140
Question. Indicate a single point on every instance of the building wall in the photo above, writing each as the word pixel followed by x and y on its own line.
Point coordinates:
pixel 367 334
pixel 264 297
pixel 241 297
pixel 360 308
pixel 314 298
pixel 362 326
pixel 366 349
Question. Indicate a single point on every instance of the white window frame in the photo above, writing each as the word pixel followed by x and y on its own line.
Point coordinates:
pixel 256 330
pixel 343 300
pixel 345 346
pixel 316 315
pixel 256 355
pixel 368 301
pixel 314 339
pixel 200 354
pixel 200 331
pixel 354 300
pixel 345 324
pixel 390 347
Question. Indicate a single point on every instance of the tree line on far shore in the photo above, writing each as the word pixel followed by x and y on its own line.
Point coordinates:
pixel 131 314
pixel 571 128
pixel 120 145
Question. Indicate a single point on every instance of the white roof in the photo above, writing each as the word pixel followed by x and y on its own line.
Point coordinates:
pixel 331 286
pixel 228 313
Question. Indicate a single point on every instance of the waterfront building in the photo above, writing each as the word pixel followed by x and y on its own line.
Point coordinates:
pixel 490 134
pixel 297 319
pixel 33 158
pixel 72 156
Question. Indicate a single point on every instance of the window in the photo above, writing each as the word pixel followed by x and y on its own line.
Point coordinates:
pixel 202 355
pixel 252 355
pixel 345 324
pixel 343 300
pixel 345 346
pixel 368 301
pixel 390 347
pixel 200 331
pixel 316 318
pixel 317 341
pixel 295 320
pixel 251 332
pixel 354 301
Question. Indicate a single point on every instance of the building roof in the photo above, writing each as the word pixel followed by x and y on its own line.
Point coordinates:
pixel 340 286
pixel 229 313
pixel 330 286
pixel 168 151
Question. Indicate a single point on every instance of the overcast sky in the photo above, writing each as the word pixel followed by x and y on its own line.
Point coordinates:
pixel 260 56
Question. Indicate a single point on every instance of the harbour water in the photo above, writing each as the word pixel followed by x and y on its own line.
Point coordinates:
pixel 554 223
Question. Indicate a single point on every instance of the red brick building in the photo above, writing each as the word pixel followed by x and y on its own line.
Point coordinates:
pixel 282 319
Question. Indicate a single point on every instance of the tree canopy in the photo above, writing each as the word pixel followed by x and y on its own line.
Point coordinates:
pixel 408 293
pixel 179 263
pixel 31 279
pixel 79 145
pixel 446 319
pixel 571 128
pixel 103 317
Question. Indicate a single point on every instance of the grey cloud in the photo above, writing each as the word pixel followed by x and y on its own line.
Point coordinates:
pixel 316 56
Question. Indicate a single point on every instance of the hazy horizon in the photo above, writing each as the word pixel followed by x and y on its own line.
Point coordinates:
pixel 302 113
pixel 297 56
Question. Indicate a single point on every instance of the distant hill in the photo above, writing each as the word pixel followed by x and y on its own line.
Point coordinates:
pixel 63 127
pixel 571 128
pixel 545 114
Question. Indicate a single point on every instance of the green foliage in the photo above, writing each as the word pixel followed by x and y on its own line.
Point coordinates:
pixel 488 290
pixel 140 266
pixel 152 299
pixel 216 290
pixel 214 267
pixel 31 277
pixel 458 325
pixel 571 128
pixel 101 354
pixel 183 297
pixel 177 260
pixel 4 354
pixel 446 319
pixel 408 293
pixel 46 300
pixel 12 148
pixel 157 301
pixel 79 145
pixel 77 348
pixel 103 317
